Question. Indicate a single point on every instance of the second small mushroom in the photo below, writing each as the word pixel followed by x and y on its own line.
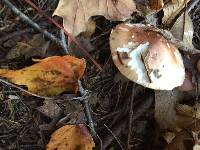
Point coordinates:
pixel 146 57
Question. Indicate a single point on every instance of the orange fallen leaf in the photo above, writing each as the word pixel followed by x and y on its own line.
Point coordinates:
pixel 71 137
pixel 75 13
pixel 50 76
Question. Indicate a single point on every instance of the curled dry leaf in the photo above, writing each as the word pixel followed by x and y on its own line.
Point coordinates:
pixel 183 29
pixel 172 10
pixel 50 76
pixel 156 4
pixel 146 57
pixel 71 137
pixel 148 7
pixel 76 13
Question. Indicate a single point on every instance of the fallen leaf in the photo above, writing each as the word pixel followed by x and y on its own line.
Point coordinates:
pixel 36 46
pixel 156 4
pixel 85 43
pixel 185 136
pixel 50 76
pixel 188 110
pixel 183 29
pixel 76 13
pixel 71 137
pixel 49 109
pixel 172 10
pixel 185 139
pixel 90 28
pixel 169 136
pixel 74 112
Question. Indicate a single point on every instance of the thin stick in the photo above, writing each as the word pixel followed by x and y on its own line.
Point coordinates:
pixel 87 111
pixel 26 19
pixel 83 94
pixel 63 40
pixel 130 118
pixel 23 90
pixel 192 5
pixel 66 32
pixel 118 141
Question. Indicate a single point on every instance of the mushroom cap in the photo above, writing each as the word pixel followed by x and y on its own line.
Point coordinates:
pixel 146 57
pixel 187 85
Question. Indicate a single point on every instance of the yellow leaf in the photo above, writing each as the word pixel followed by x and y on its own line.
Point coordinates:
pixel 50 76
pixel 71 137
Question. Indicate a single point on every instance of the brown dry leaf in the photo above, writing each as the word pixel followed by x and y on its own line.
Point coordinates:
pixel 49 109
pixel 71 137
pixel 156 4
pixel 185 138
pixel 76 13
pixel 183 29
pixel 36 46
pixel 148 7
pixel 187 129
pixel 90 28
pixel 188 110
pixel 50 76
pixel 171 10
pixel 185 115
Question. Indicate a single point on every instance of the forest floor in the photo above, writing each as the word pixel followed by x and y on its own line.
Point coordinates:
pixel 122 111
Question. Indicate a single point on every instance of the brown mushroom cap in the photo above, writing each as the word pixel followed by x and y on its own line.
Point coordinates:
pixel 146 57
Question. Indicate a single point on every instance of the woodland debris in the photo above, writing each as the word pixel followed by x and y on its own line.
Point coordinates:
pixel 113 10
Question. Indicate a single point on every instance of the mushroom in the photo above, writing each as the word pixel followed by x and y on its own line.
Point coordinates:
pixel 145 56
pixel 188 84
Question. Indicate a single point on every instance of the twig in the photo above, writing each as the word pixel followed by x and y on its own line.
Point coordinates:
pixel 23 90
pixel 130 118
pixel 66 32
pixel 83 95
pixel 26 19
pixel 192 5
pixel 116 130
pixel 16 33
pixel 118 141
pixel 63 40
pixel 87 110
pixel 108 116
